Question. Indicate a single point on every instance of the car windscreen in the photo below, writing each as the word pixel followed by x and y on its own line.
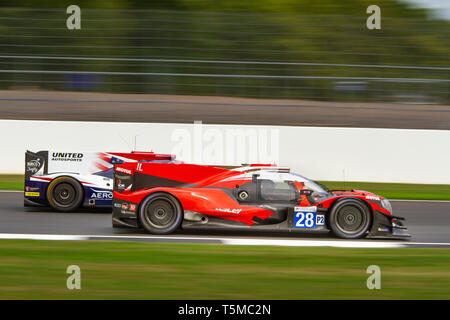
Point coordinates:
pixel 309 184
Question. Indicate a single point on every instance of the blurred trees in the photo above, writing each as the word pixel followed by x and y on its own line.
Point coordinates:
pixel 333 52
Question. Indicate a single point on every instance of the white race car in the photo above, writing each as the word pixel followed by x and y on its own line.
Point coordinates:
pixel 68 180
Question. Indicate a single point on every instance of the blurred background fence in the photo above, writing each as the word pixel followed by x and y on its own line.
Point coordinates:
pixel 318 57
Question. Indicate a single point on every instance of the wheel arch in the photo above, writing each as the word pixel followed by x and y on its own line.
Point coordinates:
pixel 158 192
pixel 337 200
pixel 83 192
pixel 65 176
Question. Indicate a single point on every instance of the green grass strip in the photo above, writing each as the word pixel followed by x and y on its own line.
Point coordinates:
pixel 11 182
pixel 128 270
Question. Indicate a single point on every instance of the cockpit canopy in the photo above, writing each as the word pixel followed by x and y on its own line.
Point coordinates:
pixel 279 185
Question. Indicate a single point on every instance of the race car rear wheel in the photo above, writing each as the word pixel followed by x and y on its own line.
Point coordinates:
pixel 160 213
pixel 65 194
pixel 350 219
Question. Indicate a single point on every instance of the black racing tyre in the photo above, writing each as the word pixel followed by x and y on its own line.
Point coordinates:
pixel 350 219
pixel 160 213
pixel 65 194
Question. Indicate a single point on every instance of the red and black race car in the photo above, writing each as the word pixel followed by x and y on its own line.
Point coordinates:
pixel 162 197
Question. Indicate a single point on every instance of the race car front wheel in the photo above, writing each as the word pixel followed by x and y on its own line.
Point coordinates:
pixel 65 194
pixel 160 213
pixel 350 219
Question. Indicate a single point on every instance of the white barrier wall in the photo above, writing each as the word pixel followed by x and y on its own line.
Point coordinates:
pixel 322 153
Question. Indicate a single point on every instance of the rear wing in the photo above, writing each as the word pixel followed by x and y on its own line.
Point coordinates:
pixel 35 163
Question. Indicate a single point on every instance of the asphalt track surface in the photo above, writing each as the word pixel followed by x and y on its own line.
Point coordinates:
pixel 86 106
pixel 426 221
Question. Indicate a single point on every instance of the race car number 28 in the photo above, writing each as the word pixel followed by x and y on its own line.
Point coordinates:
pixel 306 217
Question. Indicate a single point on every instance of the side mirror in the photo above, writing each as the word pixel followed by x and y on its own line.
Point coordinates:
pixel 306 192
pixel 255 177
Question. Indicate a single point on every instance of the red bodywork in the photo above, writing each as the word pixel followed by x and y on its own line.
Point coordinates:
pixel 212 192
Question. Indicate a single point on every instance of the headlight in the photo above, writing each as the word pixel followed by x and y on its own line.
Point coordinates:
pixel 386 204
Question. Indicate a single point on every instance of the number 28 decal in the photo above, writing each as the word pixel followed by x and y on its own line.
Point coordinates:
pixel 306 217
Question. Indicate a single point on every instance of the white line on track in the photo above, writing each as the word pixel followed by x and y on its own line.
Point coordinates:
pixel 431 244
pixel 21 236
pixel 314 243
pixel 227 241
pixel 26 236
pixel 230 241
